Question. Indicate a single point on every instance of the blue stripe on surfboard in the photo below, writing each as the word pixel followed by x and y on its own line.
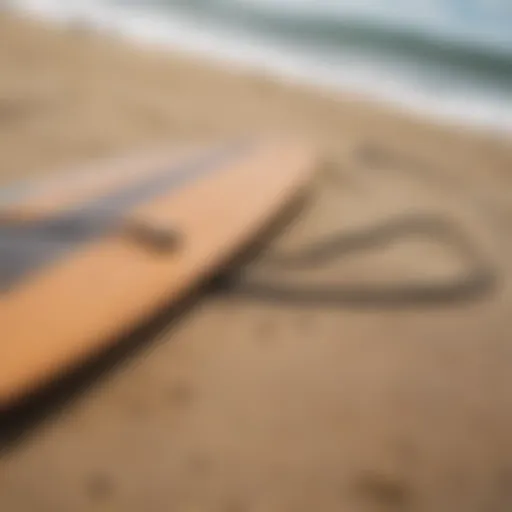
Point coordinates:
pixel 29 247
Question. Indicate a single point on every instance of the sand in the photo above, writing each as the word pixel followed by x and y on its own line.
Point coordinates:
pixel 247 405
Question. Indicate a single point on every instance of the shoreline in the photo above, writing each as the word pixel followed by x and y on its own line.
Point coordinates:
pixel 253 55
pixel 217 99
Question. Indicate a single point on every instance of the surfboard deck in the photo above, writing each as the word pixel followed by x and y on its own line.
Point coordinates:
pixel 86 258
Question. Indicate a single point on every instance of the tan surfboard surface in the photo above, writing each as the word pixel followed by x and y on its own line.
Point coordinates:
pixel 87 257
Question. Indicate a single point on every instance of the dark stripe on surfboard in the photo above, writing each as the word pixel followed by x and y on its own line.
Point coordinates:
pixel 28 247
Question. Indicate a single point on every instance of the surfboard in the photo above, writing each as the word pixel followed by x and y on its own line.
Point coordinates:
pixel 87 256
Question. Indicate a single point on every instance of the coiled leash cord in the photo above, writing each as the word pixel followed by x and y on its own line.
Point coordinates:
pixel 477 280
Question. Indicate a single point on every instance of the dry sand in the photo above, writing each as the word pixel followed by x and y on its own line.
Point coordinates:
pixel 251 406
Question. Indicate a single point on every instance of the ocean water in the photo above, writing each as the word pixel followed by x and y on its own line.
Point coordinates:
pixel 448 59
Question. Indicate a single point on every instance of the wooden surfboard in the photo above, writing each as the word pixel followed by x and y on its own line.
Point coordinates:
pixel 87 256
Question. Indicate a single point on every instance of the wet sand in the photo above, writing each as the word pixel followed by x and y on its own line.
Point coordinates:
pixel 253 405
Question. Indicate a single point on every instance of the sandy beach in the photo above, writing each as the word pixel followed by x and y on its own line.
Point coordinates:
pixel 248 405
